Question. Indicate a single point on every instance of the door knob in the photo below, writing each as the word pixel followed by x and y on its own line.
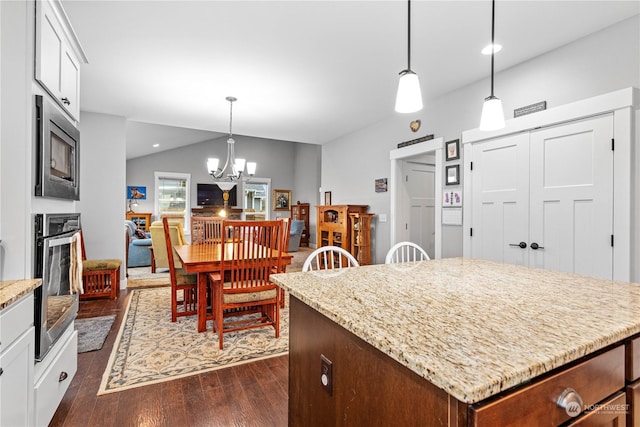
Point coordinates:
pixel 521 245
pixel 66 101
pixel 536 246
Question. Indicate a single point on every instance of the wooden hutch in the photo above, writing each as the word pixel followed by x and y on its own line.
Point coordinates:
pixel 360 224
pixel 300 211
pixel 334 228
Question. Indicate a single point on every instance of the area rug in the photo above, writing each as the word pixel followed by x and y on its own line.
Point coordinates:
pixel 142 277
pixel 92 332
pixel 151 349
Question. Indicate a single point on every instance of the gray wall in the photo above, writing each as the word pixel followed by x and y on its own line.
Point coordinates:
pixel 599 63
pixel 291 166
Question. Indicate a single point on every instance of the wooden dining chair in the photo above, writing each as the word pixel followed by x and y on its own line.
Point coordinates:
pixel 184 287
pixel 247 299
pixel 405 252
pixel 283 246
pixel 206 230
pixel 329 257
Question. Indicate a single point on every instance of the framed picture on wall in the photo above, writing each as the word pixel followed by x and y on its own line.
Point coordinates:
pixel 453 150
pixel 453 175
pixel 136 192
pixel 281 200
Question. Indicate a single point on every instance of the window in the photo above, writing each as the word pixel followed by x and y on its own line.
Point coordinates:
pixel 172 197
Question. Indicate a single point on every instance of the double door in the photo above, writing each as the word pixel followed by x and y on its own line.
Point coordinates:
pixel 545 198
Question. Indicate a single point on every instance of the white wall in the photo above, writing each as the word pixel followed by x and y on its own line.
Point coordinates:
pixel 15 142
pixel 102 185
pixel 597 64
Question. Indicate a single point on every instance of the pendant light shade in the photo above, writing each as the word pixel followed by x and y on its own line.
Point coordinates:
pixel 492 114
pixel 409 97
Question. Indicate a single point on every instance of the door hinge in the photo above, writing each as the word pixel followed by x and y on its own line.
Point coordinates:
pixel 471 232
pixel 612 240
pixel 613 144
pixel 470 165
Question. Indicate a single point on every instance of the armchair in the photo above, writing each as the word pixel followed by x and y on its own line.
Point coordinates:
pixel 297 226
pixel 139 254
pixel 159 243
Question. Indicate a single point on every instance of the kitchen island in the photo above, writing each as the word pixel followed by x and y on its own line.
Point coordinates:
pixel 458 342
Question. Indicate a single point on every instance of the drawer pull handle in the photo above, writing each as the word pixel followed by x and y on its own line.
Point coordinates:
pixel 63 376
pixel 570 401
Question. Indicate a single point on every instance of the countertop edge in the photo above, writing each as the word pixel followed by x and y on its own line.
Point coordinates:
pixel 12 290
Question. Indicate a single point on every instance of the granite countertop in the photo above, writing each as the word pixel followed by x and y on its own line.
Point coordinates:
pixel 472 328
pixel 12 290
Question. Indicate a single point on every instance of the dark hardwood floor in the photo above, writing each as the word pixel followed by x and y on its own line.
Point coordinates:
pixel 252 394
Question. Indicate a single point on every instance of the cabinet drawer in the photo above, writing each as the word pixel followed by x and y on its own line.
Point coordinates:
pixel 15 320
pixel 611 412
pixel 633 359
pixel 53 384
pixel 594 379
pixel 633 400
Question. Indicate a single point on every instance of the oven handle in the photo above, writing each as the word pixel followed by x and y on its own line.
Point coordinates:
pixel 60 241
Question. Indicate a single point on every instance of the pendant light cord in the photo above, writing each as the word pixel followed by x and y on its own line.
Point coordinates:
pixel 409 35
pixel 231 116
pixel 493 45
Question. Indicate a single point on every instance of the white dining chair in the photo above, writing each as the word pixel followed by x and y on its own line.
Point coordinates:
pixel 405 252
pixel 329 257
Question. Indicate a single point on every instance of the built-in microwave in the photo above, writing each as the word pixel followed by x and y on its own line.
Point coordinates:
pixel 58 152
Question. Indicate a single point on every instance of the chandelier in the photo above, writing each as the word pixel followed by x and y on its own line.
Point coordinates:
pixel 231 173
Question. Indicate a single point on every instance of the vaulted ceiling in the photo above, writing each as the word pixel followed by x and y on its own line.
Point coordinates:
pixel 305 71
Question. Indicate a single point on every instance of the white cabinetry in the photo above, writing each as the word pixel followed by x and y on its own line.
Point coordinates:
pixel 544 198
pixel 54 374
pixel 17 351
pixel 553 189
pixel 58 56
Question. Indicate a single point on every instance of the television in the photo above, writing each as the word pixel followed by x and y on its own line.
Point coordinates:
pixel 211 195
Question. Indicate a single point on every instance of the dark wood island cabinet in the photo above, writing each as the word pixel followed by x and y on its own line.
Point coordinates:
pixel 461 342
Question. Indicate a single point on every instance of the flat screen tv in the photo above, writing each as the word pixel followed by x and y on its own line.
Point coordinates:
pixel 211 195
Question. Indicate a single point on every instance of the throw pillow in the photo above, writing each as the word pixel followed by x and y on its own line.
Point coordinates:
pixel 140 234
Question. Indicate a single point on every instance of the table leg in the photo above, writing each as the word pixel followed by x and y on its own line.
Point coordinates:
pixel 202 302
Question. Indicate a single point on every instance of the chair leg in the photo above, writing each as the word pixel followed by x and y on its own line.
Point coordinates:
pixel 174 303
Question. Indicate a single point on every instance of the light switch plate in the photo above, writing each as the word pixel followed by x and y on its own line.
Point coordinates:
pixel 326 374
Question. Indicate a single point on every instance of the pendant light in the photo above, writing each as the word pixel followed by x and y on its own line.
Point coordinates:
pixel 231 173
pixel 409 97
pixel 492 114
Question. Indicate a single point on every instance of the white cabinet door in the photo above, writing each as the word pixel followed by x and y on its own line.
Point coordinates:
pixel 16 381
pixel 550 189
pixel 572 197
pixel 500 212
pixel 57 65
pixel 70 83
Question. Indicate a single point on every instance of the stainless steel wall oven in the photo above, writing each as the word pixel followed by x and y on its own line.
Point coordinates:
pixel 55 306
pixel 58 155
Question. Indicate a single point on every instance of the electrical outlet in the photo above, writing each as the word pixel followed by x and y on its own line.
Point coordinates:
pixel 326 374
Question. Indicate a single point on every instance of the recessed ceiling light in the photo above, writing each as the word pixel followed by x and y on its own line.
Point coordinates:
pixel 487 50
pixel 156 145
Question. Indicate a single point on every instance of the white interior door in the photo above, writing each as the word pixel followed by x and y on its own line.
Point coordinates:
pixel 420 191
pixel 571 197
pixel 500 206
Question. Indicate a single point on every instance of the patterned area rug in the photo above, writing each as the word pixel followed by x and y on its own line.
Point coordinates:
pixel 92 332
pixel 151 349
pixel 142 277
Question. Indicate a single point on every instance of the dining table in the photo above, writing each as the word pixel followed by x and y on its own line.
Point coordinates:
pixel 204 259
